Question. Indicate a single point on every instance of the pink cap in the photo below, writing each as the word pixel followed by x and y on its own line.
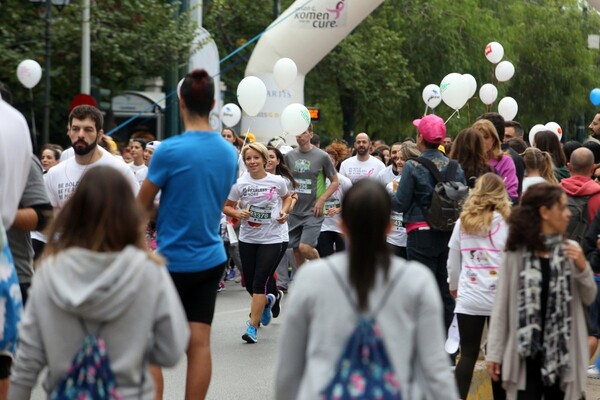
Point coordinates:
pixel 432 128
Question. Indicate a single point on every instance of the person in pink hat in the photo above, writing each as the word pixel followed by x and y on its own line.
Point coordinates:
pixel 413 199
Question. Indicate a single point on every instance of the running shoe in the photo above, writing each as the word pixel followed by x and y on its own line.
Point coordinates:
pixel 230 274
pixel 221 286
pixel 593 372
pixel 265 318
pixel 251 336
pixel 277 305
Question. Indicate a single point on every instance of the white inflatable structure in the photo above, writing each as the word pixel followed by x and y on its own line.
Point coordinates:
pixel 306 32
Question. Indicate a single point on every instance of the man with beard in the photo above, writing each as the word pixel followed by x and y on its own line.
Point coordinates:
pixel 362 165
pixel 390 172
pixel 594 128
pixel 85 132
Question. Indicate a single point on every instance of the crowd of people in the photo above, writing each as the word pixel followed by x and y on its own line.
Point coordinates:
pixel 137 252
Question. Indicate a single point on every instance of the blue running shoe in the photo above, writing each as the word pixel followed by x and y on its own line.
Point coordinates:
pixel 265 318
pixel 251 335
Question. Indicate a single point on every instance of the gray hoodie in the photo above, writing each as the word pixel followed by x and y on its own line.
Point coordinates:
pixel 130 293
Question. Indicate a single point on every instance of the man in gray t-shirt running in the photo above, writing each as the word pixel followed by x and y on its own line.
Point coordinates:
pixel 310 166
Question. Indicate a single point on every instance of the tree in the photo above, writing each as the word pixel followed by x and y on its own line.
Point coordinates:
pixel 130 42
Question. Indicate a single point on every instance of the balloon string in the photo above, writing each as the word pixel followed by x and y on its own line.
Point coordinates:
pixel 469 113
pixel 426 108
pixel 450 117
pixel 33 131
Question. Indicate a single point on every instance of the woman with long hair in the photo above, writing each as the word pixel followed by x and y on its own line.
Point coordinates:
pixel 538 167
pixel 331 239
pixel 50 156
pixel 537 342
pixel 474 262
pixel 97 276
pixel 321 318
pixel 287 266
pixel 548 141
pixel 262 202
pixel 501 162
pixel 468 149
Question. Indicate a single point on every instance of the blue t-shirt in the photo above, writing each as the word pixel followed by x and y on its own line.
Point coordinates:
pixel 195 172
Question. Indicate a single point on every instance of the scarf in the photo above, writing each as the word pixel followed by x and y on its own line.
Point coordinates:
pixel 556 331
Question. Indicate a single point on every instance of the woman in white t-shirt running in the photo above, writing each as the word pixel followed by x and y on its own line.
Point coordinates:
pixel 262 202
pixel 476 248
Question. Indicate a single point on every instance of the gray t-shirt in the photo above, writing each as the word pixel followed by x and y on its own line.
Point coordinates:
pixel 309 170
pixel 19 241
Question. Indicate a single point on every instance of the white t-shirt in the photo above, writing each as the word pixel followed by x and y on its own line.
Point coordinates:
pixel 62 179
pixel 530 181
pixel 335 201
pixel 387 175
pixel 397 235
pixel 355 170
pixel 15 160
pixel 473 267
pixel 140 172
pixel 262 197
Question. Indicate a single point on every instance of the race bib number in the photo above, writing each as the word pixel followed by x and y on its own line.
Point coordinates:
pixel 304 186
pixel 397 221
pixel 260 215
pixel 329 204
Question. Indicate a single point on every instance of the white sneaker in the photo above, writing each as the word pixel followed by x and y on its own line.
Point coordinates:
pixel 593 372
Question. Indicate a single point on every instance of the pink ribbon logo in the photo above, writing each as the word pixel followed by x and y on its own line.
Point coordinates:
pixel 338 9
pixel 271 193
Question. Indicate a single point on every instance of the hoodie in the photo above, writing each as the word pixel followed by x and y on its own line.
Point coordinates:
pixel 579 186
pixel 132 296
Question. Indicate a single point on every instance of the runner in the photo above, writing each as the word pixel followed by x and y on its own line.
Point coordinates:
pixel 264 202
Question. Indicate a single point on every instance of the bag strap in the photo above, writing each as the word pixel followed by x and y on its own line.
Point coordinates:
pixel 427 163
pixel 86 330
pixel 388 290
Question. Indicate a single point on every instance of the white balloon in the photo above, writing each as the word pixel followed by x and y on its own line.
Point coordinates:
pixel 508 108
pixel 494 52
pixel 471 84
pixel 432 96
pixel 554 127
pixel 295 119
pixel 488 93
pixel 251 94
pixel 284 72
pixel 29 73
pixel 455 92
pixel 231 114
pixel 504 71
pixel 536 128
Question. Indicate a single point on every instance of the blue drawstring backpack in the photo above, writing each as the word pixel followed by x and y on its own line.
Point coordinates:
pixel 90 376
pixel 364 370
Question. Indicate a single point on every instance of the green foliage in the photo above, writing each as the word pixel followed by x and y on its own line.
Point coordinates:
pixel 130 42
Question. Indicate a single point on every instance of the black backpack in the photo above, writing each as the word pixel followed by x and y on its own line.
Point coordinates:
pixel 579 223
pixel 447 198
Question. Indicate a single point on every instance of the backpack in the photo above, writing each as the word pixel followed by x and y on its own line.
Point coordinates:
pixel 447 197
pixel 90 376
pixel 364 370
pixel 579 222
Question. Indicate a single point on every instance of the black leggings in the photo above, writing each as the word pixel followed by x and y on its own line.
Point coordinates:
pixel 259 262
pixel 470 328
pixel 327 239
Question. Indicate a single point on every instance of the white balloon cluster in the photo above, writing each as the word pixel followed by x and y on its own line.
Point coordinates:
pixel 252 95
pixel 504 71
pixel 550 126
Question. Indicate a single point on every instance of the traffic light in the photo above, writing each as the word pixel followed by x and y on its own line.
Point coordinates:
pixel 102 95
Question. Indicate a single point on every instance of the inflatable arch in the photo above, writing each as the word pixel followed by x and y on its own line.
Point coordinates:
pixel 309 34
